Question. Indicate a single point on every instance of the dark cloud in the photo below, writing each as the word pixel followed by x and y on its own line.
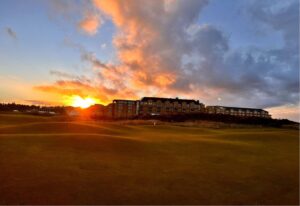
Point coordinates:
pixel 254 76
pixel 66 75
pixel 91 58
pixel 86 55
pixel 11 33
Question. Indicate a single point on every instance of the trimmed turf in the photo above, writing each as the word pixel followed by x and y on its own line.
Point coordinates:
pixel 46 161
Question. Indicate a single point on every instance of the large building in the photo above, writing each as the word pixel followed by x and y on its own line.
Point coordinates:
pixel 237 111
pixel 165 106
pixel 152 106
pixel 148 106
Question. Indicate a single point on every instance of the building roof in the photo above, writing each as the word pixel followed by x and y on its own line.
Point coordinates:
pixel 169 99
pixel 124 100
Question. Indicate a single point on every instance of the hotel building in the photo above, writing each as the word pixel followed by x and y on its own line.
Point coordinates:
pixel 154 106
pixel 237 111
pixel 166 106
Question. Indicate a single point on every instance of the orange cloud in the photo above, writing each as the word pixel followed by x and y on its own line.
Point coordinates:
pixel 139 44
pixel 90 24
pixel 68 88
pixel 148 57
pixel 143 50
pixel 112 8
pixel 58 90
pixel 164 80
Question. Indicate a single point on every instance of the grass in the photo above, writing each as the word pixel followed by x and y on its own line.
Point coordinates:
pixel 47 161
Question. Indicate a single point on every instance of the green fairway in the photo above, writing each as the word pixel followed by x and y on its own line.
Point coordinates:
pixel 44 160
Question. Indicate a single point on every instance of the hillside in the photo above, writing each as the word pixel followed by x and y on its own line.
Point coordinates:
pixel 53 161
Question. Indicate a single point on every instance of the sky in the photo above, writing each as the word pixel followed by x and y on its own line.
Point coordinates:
pixel 242 53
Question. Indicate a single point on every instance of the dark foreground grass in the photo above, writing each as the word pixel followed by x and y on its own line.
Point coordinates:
pixel 52 162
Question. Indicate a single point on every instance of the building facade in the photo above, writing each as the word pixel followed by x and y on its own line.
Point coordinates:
pixel 152 106
pixel 123 108
pixel 237 111
pixel 166 106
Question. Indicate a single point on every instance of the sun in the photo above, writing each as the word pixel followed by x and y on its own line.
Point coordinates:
pixel 78 101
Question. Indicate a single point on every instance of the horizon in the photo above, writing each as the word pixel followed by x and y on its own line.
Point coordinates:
pixel 84 107
pixel 228 53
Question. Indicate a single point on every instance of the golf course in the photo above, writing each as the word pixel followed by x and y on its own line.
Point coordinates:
pixel 51 160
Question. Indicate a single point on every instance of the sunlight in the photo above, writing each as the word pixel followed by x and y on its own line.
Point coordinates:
pixel 78 101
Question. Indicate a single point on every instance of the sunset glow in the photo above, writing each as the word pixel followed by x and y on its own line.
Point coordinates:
pixel 78 101
pixel 94 51
pixel 98 95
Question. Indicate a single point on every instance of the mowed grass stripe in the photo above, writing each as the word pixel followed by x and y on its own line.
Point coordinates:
pixel 206 139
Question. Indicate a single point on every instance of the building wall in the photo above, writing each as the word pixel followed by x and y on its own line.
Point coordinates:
pixel 161 106
pixel 235 111
pixel 124 108
pixel 167 106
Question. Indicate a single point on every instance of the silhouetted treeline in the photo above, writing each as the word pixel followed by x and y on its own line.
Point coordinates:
pixel 10 107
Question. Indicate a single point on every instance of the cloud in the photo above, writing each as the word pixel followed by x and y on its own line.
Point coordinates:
pixel 103 46
pixel 65 75
pixel 85 88
pixel 65 9
pixel 289 111
pixel 86 55
pixel 11 33
pixel 91 58
pixel 162 50
pixel 90 24
pixel 149 39
pixel 90 20
pixel 62 74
